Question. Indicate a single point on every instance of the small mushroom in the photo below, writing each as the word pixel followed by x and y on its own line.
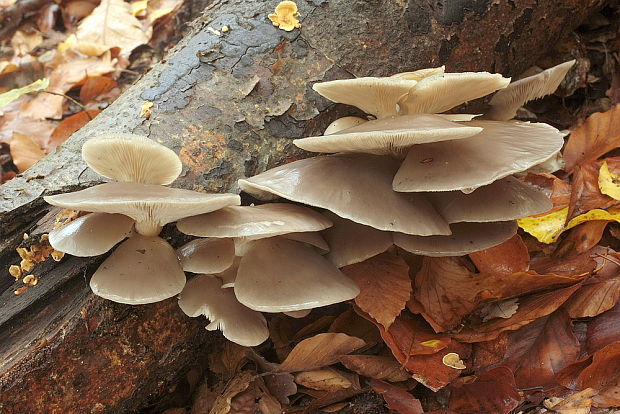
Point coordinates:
pixel 376 96
pixel 506 102
pixel 204 295
pixel 354 186
pixel 281 275
pixel 501 149
pixel 465 238
pixel 438 93
pixel 131 158
pixel 387 135
pixel 207 256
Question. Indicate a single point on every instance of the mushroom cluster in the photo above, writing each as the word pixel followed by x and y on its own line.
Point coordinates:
pixel 430 183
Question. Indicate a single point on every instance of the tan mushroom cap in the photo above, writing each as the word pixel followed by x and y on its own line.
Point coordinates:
pixel 376 96
pixel 500 150
pixel 203 296
pixel 141 270
pixel 506 102
pixel 441 92
pixel 229 275
pixel 280 275
pixel 354 186
pixel 351 242
pixel 502 200
pixel 420 73
pixel 254 222
pixel 91 235
pixel 208 256
pixel 298 314
pixel 131 158
pixel 312 238
pixel 383 136
pixel 343 123
pixel 151 206
pixel 466 238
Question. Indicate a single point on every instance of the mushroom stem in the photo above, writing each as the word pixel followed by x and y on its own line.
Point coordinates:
pixel 148 228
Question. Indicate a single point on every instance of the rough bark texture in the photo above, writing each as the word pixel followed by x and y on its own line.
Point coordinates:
pixel 229 105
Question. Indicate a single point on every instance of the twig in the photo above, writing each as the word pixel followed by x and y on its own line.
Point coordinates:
pixel 90 117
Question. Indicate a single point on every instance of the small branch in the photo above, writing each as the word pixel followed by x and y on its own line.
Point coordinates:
pixel 90 117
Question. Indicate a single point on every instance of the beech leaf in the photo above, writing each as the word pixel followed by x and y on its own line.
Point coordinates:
pixel 385 286
pixel 24 151
pixel 493 392
pixel 397 399
pixel 506 258
pixel 319 351
pixel 326 379
pixel 374 366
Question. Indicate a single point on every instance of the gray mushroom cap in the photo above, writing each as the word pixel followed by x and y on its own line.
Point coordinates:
pixel 376 96
pixel 501 149
pixel 444 91
pixel 131 158
pixel 254 222
pixel 141 270
pixel 352 242
pixel 91 235
pixel 354 186
pixel 151 206
pixel 207 256
pixel 383 136
pixel 466 238
pixel 281 275
pixel 203 295
pixel 502 200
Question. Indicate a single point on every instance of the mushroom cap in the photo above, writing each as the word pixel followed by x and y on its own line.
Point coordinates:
pixel 502 200
pixel 354 186
pixel 444 91
pixel 351 242
pixel 312 238
pixel 343 123
pixel 141 270
pixel 504 103
pixel 203 295
pixel 91 235
pixel 131 158
pixel 208 256
pixel 376 96
pixel 500 150
pixel 152 205
pixel 420 73
pixel 229 275
pixel 466 238
pixel 254 222
pixel 382 136
pixel 280 275
pixel 298 314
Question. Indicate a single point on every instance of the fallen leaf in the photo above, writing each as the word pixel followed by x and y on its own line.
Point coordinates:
pixel 385 286
pixel 23 43
pixel 378 367
pixel 350 323
pixel 24 151
pixel 585 190
pixel 96 86
pixel 557 190
pixel 69 125
pixel 531 307
pixel 583 237
pixel 235 386
pixel 227 360
pixel 503 309
pixel 578 403
pixel 593 299
pixel 506 258
pixel 319 351
pixel 8 97
pixel 603 330
pixel 540 350
pixel 599 134
pixel 326 379
pixel 430 370
pixel 112 24
pixel 156 9
pixel 281 385
pixel 608 182
pixel 397 399
pixel 493 392
pixel 603 372
pixel 546 228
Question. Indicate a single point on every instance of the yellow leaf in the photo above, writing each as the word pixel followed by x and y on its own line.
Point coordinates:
pixel 139 7
pixel 608 182
pixel 545 228
pixel 8 97
pixel 596 214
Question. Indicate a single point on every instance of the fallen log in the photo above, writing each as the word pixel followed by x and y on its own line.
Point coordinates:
pixel 229 102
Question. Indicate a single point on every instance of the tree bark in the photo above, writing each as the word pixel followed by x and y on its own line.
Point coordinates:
pixel 229 103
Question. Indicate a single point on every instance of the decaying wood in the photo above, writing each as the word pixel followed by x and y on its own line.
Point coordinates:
pixel 229 103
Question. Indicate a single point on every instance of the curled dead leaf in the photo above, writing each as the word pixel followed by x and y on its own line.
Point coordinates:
pixel 319 351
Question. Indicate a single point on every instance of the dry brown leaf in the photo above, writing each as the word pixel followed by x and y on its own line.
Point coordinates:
pixel 430 370
pixel 378 367
pixel 13 121
pixel 385 286
pixel 506 258
pixel 410 335
pixel 578 403
pixel 69 125
pixel 603 330
pixel 96 86
pixel 24 43
pixel 156 9
pixel 235 386
pixel 493 392
pixel 594 299
pixel 603 375
pixel 227 360
pixel 557 190
pixel 112 24
pixel 583 237
pixel 352 324
pixel 599 134
pixel 586 194
pixel 326 379
pixel 531 307
pixel 319 351
pixel 397 399
pixel 280 385
pixel 24 151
